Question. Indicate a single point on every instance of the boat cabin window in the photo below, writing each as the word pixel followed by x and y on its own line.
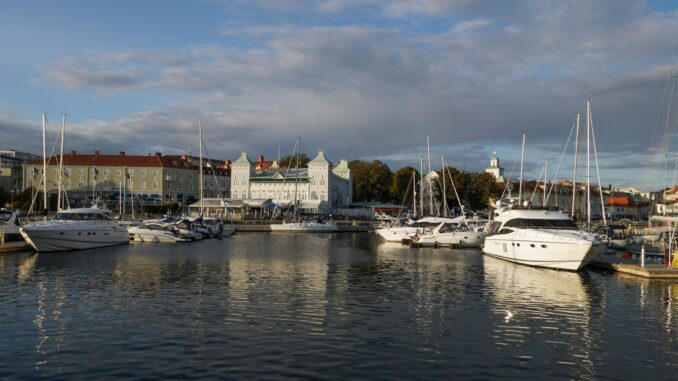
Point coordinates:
pixel 447 228
pixel 425 224
pixel 505 231
pixel 534 223
pixel 63 216
pixel 5 216
pixel 492 227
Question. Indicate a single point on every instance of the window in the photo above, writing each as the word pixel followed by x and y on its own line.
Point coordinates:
pixel 81 184
pixel 142 173
pixel 81 171
pixel 130 184
pixel 107 172
pixel 155 185
pixel 142 184
pixel 118 172
pixel 56 171
pixel 68 171
pixel 130 172
pixel 541 224
pixel 155 173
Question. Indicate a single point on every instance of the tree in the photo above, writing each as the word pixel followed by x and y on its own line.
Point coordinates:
pixel 484 186
pixel 401 185
pixel 5 197
pixel 291 161
pixel 371 181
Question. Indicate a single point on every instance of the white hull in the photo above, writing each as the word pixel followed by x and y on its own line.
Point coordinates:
pixel 571 256
pixel 142 236
pixel 461 239
pixel 48 236
pixel 307 227
pixel 397 234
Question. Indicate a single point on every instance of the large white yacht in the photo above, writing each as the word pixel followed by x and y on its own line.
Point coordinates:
pixel 422 226
pixel 540 237
pixel 75 229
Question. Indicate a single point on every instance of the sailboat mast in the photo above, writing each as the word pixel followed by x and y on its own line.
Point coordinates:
pixel 442 161
pixel 296 182
pixel 520 184
pixel 430 180
pixel 546 170
pixel 574 175
pixel 61 161
pixel 421 185
pixel 200 144
pixel 44 162
pixel 414 190
pixel 588 163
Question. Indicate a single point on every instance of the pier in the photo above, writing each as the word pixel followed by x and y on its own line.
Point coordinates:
pixel 14 247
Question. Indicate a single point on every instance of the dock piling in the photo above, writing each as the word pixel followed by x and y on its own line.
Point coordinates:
pixel 642 256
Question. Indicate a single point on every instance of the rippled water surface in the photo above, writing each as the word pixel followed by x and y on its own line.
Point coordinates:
pixel 307 306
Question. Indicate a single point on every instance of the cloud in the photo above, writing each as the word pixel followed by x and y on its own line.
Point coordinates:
pixel 375 90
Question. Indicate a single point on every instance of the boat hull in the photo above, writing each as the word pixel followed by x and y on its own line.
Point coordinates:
pixel 44 240
pixel 304 227
pixel 150 237
pixel 570 256
pixel 461 239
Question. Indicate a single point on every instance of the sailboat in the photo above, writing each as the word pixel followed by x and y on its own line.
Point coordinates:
pixel 540 237
pixel 73 229
pixel 296 225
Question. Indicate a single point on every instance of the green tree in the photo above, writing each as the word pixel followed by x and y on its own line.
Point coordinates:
pixel 371 181
pixel 401 185
pixel 291 161
pixel 5 197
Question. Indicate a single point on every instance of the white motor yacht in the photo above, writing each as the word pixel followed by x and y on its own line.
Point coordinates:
pixel 451 234
pixel 156 233
pixel 75 229
pixel 539 237
pixel 423 226
pixel 9 225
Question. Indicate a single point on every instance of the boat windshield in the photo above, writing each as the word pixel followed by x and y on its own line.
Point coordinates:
pixel 447 228
pixel 533 223
pixel 425 224
pixel 67 216
pixel 5 215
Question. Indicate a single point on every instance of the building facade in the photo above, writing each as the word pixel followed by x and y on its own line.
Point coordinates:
pixel 321 185
pixel 10 168
pixel 150 178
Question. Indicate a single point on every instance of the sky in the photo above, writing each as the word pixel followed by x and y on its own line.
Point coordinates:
pixel 368 79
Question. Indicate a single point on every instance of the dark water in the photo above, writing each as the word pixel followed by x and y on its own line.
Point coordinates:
pixel 262 306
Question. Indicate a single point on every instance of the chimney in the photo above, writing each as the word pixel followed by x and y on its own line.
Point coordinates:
pixel 260 158
pixel 158 154
pixel 96 153
pixel 122 153
pixel 73 153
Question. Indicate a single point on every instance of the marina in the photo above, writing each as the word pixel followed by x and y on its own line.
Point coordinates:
pixel 330 306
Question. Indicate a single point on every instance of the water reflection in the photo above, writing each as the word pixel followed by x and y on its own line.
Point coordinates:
pixel 542 311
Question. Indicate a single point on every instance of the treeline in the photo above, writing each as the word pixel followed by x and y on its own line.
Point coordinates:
pixel 374 181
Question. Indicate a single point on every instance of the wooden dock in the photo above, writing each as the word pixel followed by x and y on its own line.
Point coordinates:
pixel 343 228
pixel 14 247
pixel 650 271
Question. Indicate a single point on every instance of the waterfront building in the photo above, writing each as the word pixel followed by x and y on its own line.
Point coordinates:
pixel 494 169
pixel 320 186
pixel 10 168
pixel 150 179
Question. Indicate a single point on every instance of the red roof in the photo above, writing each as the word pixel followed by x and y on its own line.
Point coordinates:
pixel 121 159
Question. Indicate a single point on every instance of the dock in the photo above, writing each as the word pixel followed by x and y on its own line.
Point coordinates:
pixel 14 247
pixel 257 227
pixel 658 271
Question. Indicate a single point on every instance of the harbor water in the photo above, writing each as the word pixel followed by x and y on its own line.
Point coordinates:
pixel 325 306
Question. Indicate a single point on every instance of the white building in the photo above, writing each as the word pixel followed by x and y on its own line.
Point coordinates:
pixel 494 169
pixel 321 186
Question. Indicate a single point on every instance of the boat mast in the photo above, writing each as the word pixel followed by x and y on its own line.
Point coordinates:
pixel 44 163
pixel 61 161
pixel 421 184
pixel 430 180
pixel 595 158
pixel 442 160
pixel 574 175
pixel 546 170
pixel 520 184
pixel 414 190
pixel 296 182
pixel 588 163
pixel 200 143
